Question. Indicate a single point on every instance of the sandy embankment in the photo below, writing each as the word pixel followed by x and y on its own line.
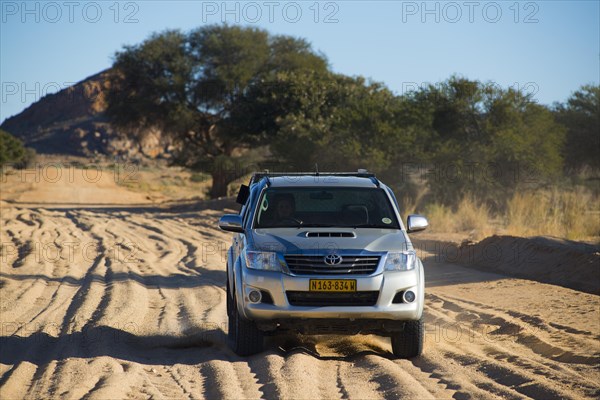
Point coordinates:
pixel 556 261
pixel 57 184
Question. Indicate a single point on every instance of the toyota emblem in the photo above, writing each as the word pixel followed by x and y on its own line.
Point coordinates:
pixel 332 259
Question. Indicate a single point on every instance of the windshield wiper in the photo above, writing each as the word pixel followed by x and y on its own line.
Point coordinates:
pixel 278 226
pixel 373 226
pixel 318 226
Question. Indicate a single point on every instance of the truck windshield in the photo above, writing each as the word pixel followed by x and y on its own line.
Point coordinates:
pixel 325 207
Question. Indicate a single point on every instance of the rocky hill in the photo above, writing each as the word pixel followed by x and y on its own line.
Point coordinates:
pixel 72 122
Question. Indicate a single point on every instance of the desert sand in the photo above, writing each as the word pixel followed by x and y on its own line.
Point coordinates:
pixel 106 296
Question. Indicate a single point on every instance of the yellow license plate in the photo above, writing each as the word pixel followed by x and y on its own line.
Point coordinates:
pixel 332 285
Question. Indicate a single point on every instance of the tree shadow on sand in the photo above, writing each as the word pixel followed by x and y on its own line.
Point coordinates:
pixel 41 348
pixel 205 277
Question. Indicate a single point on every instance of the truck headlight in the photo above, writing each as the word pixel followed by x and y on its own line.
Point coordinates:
pixel 262 260
pixel 401 261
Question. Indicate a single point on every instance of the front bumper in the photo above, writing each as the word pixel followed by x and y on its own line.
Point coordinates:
pixel 388 284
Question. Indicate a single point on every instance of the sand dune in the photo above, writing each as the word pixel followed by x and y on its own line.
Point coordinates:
pixel 130 303
pixel 574 265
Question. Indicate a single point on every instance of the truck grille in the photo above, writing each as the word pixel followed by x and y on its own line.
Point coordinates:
pixel 315 265
pixel 320 299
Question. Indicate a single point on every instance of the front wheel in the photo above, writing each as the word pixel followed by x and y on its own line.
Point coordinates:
pixel 229 302
pixel 409 342
pixel 244 338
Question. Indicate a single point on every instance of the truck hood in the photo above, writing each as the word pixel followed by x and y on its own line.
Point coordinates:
pixel 295 241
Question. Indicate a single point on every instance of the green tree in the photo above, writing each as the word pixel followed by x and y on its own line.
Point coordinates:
pixel 191 85
pixel 12 151
pixel 581 117
pixel 487 141
pixel 335 121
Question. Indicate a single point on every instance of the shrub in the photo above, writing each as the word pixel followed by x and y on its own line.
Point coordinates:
pixel 12 151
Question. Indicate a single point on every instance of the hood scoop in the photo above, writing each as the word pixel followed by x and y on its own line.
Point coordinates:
pixel 330 234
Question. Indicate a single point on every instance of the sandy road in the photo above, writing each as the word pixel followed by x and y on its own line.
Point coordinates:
pixel 130 303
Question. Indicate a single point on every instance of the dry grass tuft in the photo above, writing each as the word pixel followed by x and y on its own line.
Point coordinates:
pixel 469 217
pixel 572 214
pixel 568 213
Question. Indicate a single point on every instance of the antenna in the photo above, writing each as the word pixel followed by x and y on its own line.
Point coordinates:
pixel 316 169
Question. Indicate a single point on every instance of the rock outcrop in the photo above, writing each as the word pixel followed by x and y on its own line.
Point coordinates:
pixel 72 121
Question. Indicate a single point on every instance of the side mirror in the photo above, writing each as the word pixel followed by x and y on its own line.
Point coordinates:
pixel 231 223
pixel 416 223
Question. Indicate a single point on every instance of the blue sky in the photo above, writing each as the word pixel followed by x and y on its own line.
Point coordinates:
pixel 548 48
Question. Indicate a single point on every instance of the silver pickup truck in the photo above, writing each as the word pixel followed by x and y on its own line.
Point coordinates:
pixel 321 253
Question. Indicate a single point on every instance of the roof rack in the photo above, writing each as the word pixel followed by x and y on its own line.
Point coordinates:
pixel 361 173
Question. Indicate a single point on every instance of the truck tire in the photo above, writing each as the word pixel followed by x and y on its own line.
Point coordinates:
pixel 244 338
pixel 229 302
pixel 409 342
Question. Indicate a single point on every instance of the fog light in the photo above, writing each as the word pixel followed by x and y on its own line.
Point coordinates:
pixel 254 296
pixel 409 296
